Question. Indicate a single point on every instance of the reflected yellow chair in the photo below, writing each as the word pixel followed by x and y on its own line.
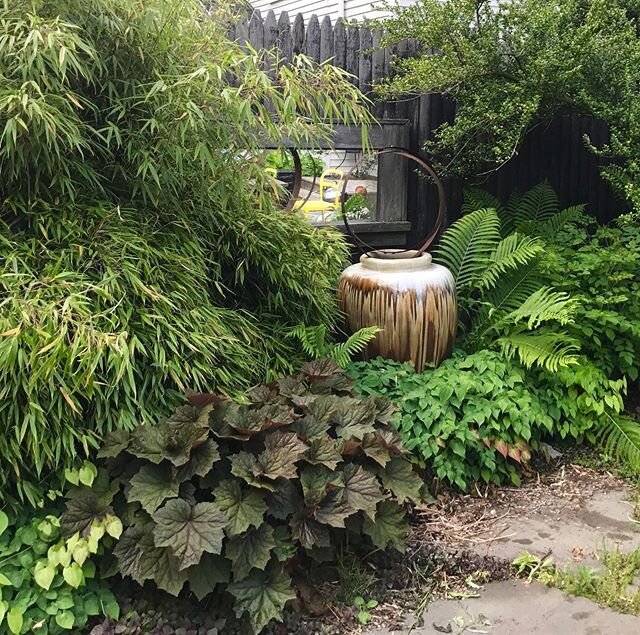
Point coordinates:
pixel 329 179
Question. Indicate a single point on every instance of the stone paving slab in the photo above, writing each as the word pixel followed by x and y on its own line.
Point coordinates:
pixel 518 608
pixel 572 537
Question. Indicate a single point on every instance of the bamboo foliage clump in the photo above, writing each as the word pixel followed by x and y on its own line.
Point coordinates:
pixel 141 253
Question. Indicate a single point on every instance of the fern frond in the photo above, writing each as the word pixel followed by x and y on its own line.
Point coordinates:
pixel 343 353
pixel 315 344
pixel 512 252
pixel 466 246
pixel 508 212
pixel 514 288
pixel 313 339
pixel 620 437
pixel 475 199
pixel 549 350
pixel 539 204
pixel 544 305
pixel 560 220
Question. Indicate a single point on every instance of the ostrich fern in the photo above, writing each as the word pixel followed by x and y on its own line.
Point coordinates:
pixel 501 291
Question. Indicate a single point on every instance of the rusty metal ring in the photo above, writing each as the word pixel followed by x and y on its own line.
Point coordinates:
pixel 297 182
pixel 423 245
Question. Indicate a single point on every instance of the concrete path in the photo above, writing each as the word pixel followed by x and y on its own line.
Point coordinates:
pixel 544 521
pixel 572 537
pixel 518 608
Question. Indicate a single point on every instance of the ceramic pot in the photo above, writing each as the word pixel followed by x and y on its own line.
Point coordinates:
pixel 410 298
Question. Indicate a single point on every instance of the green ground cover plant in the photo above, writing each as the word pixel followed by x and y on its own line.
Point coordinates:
pixel 141 249
pixel 238 497
pixel 613 586
pixel 50 584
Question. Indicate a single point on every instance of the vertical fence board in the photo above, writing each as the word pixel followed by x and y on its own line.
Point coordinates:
pixel 256 31
pixel 326 39
pixel 284 37
pixel 364 61
pixel 312 39
pixel 297 35
pixel 352 61
pixel 340 43
pixel 377 67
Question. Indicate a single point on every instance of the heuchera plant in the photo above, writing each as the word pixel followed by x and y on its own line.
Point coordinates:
pixel 228 495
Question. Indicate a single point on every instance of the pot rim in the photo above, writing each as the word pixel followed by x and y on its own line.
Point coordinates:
pixel 395 260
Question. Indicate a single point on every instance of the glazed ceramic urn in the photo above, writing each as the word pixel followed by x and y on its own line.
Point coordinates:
pixel 412 300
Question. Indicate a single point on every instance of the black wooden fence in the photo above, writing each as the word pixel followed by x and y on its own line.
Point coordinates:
pixel 555 152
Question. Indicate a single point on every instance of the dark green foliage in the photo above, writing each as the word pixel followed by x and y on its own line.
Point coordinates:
pixel 223 493
pixel 47 584
pixel 141 251
pixel 511 66
pixel 600 266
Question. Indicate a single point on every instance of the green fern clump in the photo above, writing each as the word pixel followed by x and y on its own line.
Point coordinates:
pixel 502 294
pixel 314 342
pixel 141 249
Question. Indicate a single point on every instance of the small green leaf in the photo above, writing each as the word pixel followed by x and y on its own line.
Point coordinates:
pixel 4 581
pixel 211 570
pixel 152 485
pixel 189 530
pixel 43 574
pixel 15 620
pixel 65 619
pixel 73 575
pixel 389 526
pixel 399 477
pixel 72 476
pixel 249 550
pixel 81 553
pixel 243 508
pixel 87 473
pixel 361 489
pixel 4 522
pixel 262 595
pixel 113 526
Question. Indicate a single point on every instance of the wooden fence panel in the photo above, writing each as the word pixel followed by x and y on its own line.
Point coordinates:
pixel 555 152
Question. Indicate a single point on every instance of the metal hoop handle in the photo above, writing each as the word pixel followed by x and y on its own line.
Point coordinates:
pixel 422 246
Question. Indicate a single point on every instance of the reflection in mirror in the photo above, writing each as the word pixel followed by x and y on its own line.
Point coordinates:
pixel 323 175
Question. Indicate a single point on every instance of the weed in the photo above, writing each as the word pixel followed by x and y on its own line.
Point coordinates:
pixel 613 587
pixel 354 579
pixel 363 607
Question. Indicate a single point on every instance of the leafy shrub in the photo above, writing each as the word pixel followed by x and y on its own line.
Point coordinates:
pixel 503 299
pixel 479 416
pixel 49 584
pixel 223 494
pixel 471 419
pixel 140 251
pixel 511 66
pixel 600 266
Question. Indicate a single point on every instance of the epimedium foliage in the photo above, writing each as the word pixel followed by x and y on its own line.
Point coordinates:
pixel 511 65
pixel 50 584
pixel 228 495
pixel 141 252
pixel 479 416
